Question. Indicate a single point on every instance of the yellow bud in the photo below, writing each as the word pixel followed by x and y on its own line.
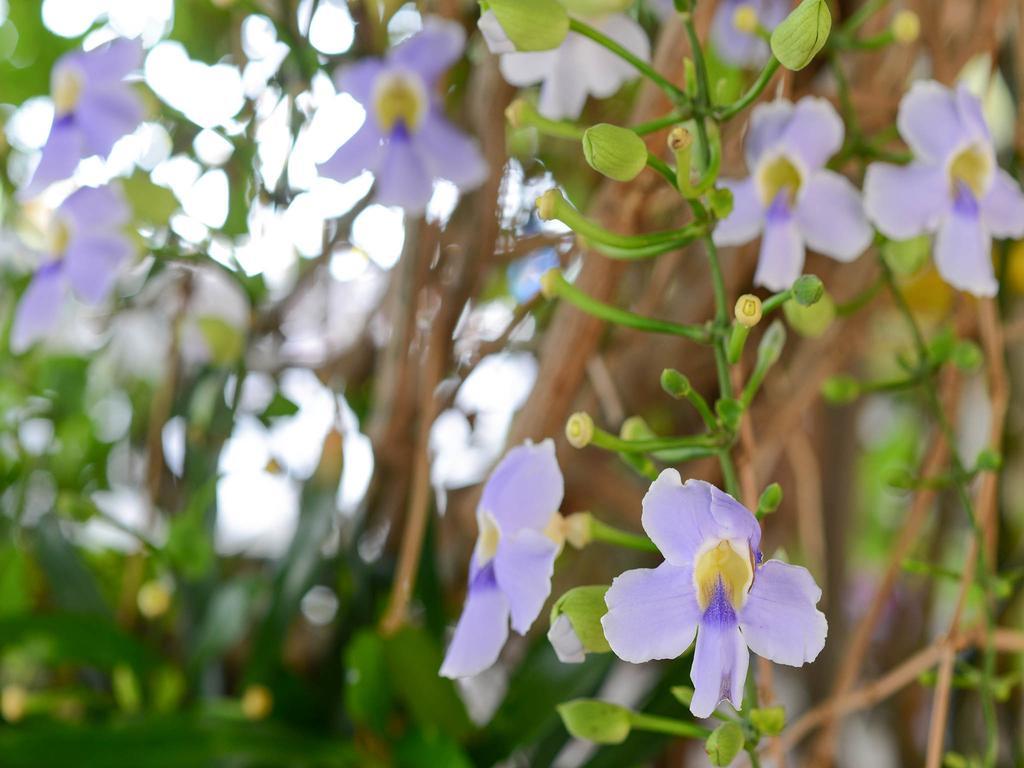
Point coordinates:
pixel 744 18
pixel 547 204
pixel 577 529
pixel 906 26
pixel 154 599
pixel 679 139
pixel 549 283
pixel 516 113
pixel 579 430
pixel 13 701
pixel 257 702
pixel 748 310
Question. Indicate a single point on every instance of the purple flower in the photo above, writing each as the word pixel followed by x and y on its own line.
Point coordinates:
pixel 406 141
pixel 93 108
pixel 743 49
pixel 87 246
pixel 712 585
pixel 790 197
pixel 953 188
pixel 520 534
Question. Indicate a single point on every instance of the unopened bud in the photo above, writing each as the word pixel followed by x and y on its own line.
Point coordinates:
pixel 770 499
pixel 549 283
pixel 724 743
pixel 576 623
pixel 547 204
pixel 744 18
pixel 906 26
pixel 579 429
pixel 674 383
pixel 615 152
pixel 803 33
pixel 748 310
pixel 154 599
pixel 577 529
pixel 808 290
pixel 13 702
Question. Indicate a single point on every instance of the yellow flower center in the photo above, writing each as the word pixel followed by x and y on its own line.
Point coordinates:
pixel 57 236
pixel 488 538
pixel 777 175
pixel 728 563
pixel 398 97
pixel 66 88
pixel 972 167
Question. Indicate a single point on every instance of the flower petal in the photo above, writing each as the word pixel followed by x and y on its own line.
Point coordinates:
pixel 528 68
pixel 432 50
pixel 106 115
pixel 602 71
pixel 680 518
pixel 779 620
pixel 971 115
pixel 108 63
pixel 814 132
pixel 362 152
pixel 523 566
pixel 95 209
pixel 358 79
pixel 481 631
pixel 494 34
pixel 768 120
pixel 720 662
pixel 905 201
pixel 525 489
pixel 963 249
pixel 929 121
pixel 745 220
pixel 782 249
pixel 40 306
pixel 402 178
pixel 831 218
pixel 61 154
pixel 448 153
pixel 740 49
pixel 1002 208
pixel 91 264
pixel 652 613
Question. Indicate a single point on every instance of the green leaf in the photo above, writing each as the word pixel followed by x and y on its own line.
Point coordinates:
pixel 724 743
pixel 532 25
pixel 367 687
pixel 279 407
pixel 413 659
pixel 802 34
pixel 597 721
pixel 151 203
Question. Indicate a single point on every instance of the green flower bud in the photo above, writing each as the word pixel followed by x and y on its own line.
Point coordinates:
pixel 675 384
pixel 967 356
pixel 596 721
pixel 811 321
pixel 802 34
pixel 905 257
pixel 770 499
pixel 941 346
pixel 579 430
pixel 900 478
pixel 532 25
pixel 635 428
pixel 615 152
pixel 770 348
pixel 583 608
pixel 768 721
pixel 808 290
pixel 724 743
pixel 841 389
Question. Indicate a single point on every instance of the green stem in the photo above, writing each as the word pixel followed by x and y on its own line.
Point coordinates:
pixel 774 302
pixel 557 285
pixel 642 129
pixel 676 93
pixel 603 532
pixel 610 442
pixel 756 89
pixel 553 205
pixel 667 725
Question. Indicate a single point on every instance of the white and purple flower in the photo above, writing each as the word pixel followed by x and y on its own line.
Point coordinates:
pixel 406 140
pixel 953 188
pixel 737 47
pixel 712 585
pixel 520 535
pixel 576 69
pixel 87 245
pixel 93 108
pixel 790 198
